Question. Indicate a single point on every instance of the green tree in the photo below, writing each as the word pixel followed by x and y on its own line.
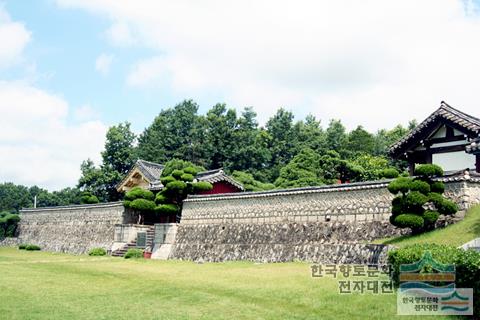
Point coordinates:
pixel 14 197
pixel 177 186
pixel 175 133
pixel 281 141
pixel 249 182
pixel 92 179
pixel 304 170
pixel 414 195
pixel 336 137
pixel 360 141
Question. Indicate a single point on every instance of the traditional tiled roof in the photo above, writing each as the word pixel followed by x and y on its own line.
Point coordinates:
pixel 474 147
pixel 218 175
pixel 153 171
pixel 445 112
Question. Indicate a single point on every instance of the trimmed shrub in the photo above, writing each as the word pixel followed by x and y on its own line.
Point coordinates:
pixel 139 193
pixel 142 205
pixel 191 170
pixel 401 184
pixel 430 217
pixel 447 207
pixel 467 264
pixel 187 177
pixel 420 186
pixel 88 198
pixel 176 186
pixel 167 209
pixel 415 199
pixel 389 173
pixel 22 246
pixel 97 252
pixel 202 186
pixel 428 170
pixel 160 198
pixel 437 187
pixel 167 180
pixel 177 174
pixel 133 254
pixel 407 220
pixel 32 247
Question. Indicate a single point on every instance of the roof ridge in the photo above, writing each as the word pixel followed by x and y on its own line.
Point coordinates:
pixel 150 162
pixel 446 106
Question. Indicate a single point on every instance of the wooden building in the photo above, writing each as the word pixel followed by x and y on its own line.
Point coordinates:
pixel 147 175
pixel 448 137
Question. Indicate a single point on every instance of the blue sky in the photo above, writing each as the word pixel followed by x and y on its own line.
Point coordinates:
pixel 71 68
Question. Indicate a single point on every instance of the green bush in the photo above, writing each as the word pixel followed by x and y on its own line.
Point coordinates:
pixel 22 246
pixel 177 174
pixel 97 252
pixel 167 209
pixel 139 193
pixel 428 170
pixel 430 217
pixel 415 199
pixel 88 198
pixel 133 254
pixel 176 186
pixel 389 173
pixel 187 177
pixel 467 264
pixel 32 247
pixel 401 184
pixel 202 186
pixel 142 205
pixel 438 187
pixel 407 220
pixel 167 180
pixel 420 186
pixel 447 207
pixel 160 198
pixel 190 170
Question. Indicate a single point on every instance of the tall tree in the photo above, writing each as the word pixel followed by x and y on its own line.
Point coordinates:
pixel 336 136
pixel 360 141
pixel 282 141
pixel 174 133
pixel 219 138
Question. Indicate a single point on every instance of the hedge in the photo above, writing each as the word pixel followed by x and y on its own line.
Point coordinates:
pixel 97 252
pixel 133 254
pixel 32 247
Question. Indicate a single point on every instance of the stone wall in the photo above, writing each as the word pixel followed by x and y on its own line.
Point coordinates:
pixel 72 229
pixel 326 242
pixel 320 224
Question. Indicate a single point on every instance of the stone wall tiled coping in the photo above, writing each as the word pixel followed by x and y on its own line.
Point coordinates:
pixel 72 207
pixel 379 184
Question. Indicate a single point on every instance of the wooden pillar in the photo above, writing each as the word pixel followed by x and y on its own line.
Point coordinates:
pixel 478 163
pixel 411 167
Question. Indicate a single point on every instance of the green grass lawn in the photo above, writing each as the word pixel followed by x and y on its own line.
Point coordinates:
pixel 455 235
pixel 40 285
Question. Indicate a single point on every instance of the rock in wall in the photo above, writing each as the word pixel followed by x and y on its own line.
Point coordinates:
pixel 72 229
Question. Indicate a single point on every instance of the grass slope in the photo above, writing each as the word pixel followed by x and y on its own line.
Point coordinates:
pixel 40 285
pixel 455 235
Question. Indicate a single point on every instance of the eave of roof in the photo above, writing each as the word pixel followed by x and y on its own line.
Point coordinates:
pixel 446 112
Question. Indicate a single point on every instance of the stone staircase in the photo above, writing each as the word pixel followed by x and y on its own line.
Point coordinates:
pixel 133 244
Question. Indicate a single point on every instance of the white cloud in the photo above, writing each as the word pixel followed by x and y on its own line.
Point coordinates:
pixel 14 37
pixel 372 62
pixel 103 63
pixel 85 112
pixel 119 34
pixel 37 144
